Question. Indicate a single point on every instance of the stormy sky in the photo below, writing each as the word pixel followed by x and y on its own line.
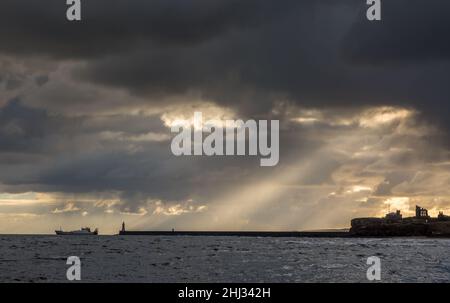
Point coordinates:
pixel 86 109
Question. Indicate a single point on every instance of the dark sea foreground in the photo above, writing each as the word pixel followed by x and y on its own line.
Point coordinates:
pixel 222 259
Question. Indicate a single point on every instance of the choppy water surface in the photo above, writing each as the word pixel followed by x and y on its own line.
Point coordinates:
pixel 221 259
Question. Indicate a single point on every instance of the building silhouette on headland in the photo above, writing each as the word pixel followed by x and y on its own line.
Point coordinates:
pixel 393 224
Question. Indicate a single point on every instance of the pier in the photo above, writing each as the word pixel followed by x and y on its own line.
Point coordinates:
pixel 299 234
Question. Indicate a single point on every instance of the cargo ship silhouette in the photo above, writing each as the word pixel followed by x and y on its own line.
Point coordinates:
pixel 84 231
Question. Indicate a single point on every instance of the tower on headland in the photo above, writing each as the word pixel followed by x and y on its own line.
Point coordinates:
pixel 123 226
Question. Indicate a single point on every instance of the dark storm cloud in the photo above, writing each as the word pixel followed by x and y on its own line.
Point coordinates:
pixel 410 44
pixel 319 54
pixel 111 26
pixel 411 32
pixel 248 54
pixel 27 130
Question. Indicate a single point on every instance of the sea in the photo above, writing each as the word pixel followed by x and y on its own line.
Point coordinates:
pixel 43 259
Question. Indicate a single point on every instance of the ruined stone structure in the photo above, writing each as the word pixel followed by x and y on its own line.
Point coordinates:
pixel 421 212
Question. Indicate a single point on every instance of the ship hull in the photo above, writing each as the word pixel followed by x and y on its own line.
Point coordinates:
pixel 74 233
